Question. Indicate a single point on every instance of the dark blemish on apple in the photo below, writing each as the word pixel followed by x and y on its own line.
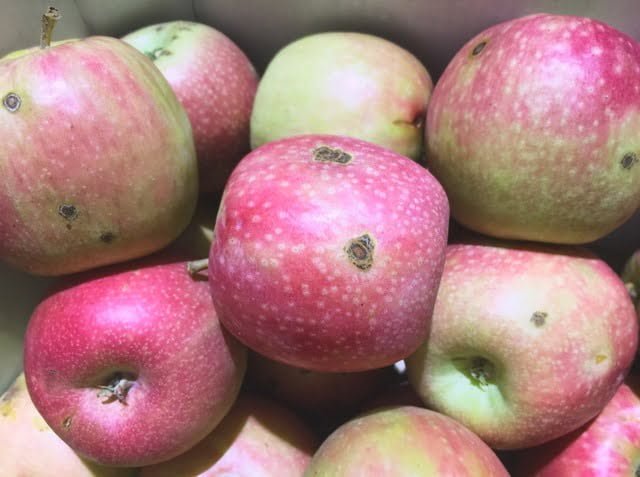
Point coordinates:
pixel 174 37
pixel 11 102
pixel 67 422
pixel 629 160
pixel 184 28
pixel 68 212
pixel 539 318
pixel 329 154
pixel 360 251
pixel 157 53
pixel 160 28
pixel 478 48
pixel 107 237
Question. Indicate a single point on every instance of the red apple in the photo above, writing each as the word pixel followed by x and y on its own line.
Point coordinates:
pixel 532 129
pixel 404 441
pixel 257 438
pixel 327 252
pixel 344 83
pixel 129 365
pixel 528 342
pixel 31 449
pixel 215 82
pixel 98 163
pixel 609 446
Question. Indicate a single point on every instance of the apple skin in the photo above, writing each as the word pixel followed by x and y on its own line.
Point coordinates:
pixel 98 162
pixel 30 448
pixel 152 323
pixel 608 446
pixel 257 438
pixel 214 81
pixel 528 341
pixel 344 83
pixel 327 253
pixel 535 135
pixel 404 441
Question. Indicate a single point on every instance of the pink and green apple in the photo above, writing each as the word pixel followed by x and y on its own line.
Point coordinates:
pixel 528 342
pixel 214 81
pixel 532 129
pixel 98 163
pixel 344 83
pixel 404 441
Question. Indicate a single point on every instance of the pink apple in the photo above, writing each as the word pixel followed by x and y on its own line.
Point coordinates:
pixel 257 438
pixel 609 446
pixel 129 365
pixel 215 82
pixel 31 449
pixel 98 162
pixel 532 129
pixel 404 441
pixel 327 253
pixel 528 342
pixel 344 83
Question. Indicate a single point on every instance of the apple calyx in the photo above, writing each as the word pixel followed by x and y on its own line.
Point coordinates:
pixel 116 390
pixel 479 370
pixel 49 19
pixel 196 266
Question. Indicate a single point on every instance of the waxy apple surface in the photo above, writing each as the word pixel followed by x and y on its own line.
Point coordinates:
pixel 528 342
pixel 344 83
pixel 130 366
pixel 404 441
pixel 98 162
pixel 327 253
pixel 214 81
pixel 533 130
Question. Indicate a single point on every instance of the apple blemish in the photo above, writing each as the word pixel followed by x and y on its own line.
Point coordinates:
pixel 11 102
pixel 107 237
pixel 68 211
pixel 628 160
pixel 539 318
pixel 360 251
pixel 329 154
pixel 67 422
pixel 479 48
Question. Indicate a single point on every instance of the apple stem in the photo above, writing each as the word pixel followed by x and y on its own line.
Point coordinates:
pixel 49 19
pixel 196 266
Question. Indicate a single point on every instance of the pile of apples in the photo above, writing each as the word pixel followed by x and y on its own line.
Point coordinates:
pixel 333 268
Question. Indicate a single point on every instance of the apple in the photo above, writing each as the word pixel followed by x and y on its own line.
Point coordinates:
pixel 344 83
pixel 214 81
pixel 257 438
pixel 608 446
pixel 327 253
pixel 404 441
pixel 532 130
pixel 325 399
pixel 98 162
pixel 30 448
pixel 129 365
pixel 528 341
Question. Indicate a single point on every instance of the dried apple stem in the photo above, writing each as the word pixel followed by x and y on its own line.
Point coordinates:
pixel 49 19
pixel 196 266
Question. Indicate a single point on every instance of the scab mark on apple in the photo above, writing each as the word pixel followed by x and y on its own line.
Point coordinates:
pixel 330 154
pixel 11 102
pixel 360 251
pixel 539 318
pixel 479 48
pixel 157 53
pixel 66 424
pixel 107 237
pixel 629 160
pixel 69 212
